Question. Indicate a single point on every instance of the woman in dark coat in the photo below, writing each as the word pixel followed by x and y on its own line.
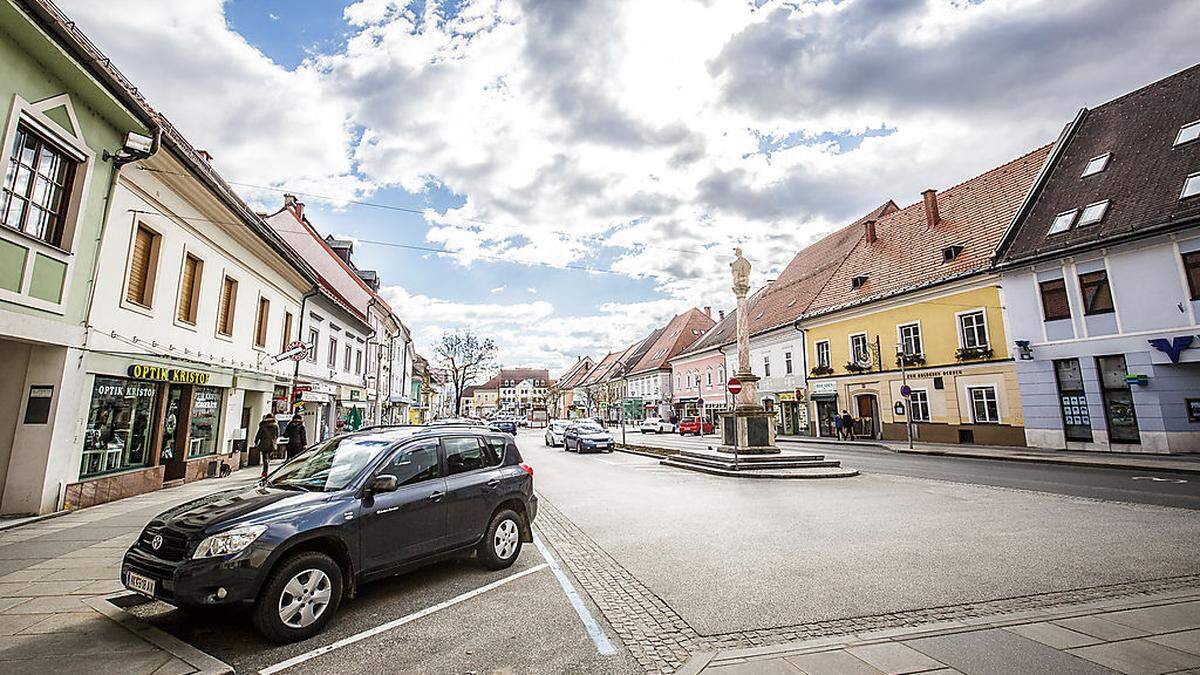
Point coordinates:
pixel 297 437
pixel 264 440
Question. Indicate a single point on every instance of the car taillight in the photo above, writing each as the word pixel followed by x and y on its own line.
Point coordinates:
pixel 527 469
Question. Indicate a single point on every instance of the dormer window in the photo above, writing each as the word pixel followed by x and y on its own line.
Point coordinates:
pixel 1093 213
pixel 951 252
pixel 1096 165
pixel 1188 133
pixel 857 282
pixel 1062 222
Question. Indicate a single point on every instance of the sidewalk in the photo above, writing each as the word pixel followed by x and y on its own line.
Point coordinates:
pixel 1157 633
pixel 1144 462
pixel 55 574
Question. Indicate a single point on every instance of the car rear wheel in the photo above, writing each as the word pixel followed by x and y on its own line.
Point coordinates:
pixel 502 543
pixel 299 598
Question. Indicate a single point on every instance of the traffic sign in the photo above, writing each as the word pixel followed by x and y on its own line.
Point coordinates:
pixel 905 391
pixel 734 385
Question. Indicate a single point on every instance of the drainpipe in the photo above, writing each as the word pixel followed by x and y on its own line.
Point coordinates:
pixel 114 175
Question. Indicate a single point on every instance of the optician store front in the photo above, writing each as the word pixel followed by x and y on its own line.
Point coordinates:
pixel 147 424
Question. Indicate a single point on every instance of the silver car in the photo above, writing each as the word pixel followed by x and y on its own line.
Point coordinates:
pixel 554 432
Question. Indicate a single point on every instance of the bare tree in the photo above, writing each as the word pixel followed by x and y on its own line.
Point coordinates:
pixel 465 356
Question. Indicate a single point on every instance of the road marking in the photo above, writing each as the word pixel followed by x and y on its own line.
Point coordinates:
pixel 594 631
pixel 295 660
pixel 1156 479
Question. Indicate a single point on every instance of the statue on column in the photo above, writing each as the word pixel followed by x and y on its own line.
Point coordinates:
pixel 741 273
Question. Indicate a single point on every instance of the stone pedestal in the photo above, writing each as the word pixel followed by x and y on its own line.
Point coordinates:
pixel 748 431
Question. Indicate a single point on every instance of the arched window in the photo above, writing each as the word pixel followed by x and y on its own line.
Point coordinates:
pixel 709 373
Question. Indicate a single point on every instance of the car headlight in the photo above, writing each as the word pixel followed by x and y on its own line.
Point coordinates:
pixel 228 543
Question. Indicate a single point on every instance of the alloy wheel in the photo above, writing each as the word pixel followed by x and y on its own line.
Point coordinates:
pixel 505 540
pixel 305 598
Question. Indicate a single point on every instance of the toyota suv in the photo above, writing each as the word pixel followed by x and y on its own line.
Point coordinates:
pixel 355 508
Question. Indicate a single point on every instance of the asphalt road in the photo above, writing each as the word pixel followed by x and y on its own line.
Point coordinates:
pixel 1163 488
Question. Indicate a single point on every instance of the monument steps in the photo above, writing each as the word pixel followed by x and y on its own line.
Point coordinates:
pixel 798 472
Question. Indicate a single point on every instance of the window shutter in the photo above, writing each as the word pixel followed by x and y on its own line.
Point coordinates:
pixel 228 291
pixel 139 268
pixel 260 332
pixel 187 291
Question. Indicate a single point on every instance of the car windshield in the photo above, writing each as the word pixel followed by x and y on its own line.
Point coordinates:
pixel 589 428
pixel 331 465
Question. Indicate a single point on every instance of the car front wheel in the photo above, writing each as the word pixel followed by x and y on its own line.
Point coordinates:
pixel 502 543
pixel 299 598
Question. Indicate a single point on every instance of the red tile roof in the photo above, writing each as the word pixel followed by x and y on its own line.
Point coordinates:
pixel 907 253
pixel 680 333
pixel 575 374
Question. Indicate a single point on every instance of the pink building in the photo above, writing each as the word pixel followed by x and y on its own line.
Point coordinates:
pixel 698 374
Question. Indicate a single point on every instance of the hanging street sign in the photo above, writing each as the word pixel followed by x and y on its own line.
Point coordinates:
pixel 296 351
pixel 734 385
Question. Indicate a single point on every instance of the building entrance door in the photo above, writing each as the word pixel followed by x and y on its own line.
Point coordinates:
pixel 826 410
pixel 172 454
pixel 865 419
pixel 1118 400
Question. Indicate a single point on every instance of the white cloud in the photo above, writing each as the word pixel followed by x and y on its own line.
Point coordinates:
pixel 497 289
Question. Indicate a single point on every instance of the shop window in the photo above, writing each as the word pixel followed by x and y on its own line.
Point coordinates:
pixel 1077 421
pixel 143 261
pixel 918 405
pixel 189 289
pixel 120 426
pixel 206 414
pixel 37 187
pixel 1055 305
pixel 985 407
pixel 260 324
pixel 1097 296
pixel 1191 266
pixel 228 307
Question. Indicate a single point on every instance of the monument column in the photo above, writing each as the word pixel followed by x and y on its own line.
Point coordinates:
pixel 748 398
pixel 751 429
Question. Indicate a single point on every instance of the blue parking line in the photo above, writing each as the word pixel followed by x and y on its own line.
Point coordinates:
pixel 594 631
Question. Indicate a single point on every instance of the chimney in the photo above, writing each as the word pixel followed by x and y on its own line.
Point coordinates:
pixel 296 206
pixel 206 155
pixel 720 315
pixel 931 208
pixel 708 311
pixel 869 228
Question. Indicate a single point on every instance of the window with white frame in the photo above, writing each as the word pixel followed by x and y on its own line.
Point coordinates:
pixel 1062 222
pixel 1191 186
pixel 1188 132
pixel 37 187
pixel 823 354
pixel 766 365
pixel 858 348
pixel 1093 213
pixel 708 373
pixel 918 405
pixel 314 337
pixel 1096 165
pixel 972 329
pixel 985 407
pixel 910 339
pixel 787 363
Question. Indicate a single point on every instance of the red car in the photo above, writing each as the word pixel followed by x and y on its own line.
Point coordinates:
pixel 695 425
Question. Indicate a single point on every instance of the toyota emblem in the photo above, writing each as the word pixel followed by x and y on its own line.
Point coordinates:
pixel 157 542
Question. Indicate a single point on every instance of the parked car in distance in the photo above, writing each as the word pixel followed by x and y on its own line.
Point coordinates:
pixel 508 426
pixel 656 425
pixel 554 432
pixel 352 509
pixel 585 436
pixel 695 425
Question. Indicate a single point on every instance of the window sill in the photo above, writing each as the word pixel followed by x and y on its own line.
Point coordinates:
pixel 137 308
pixel 56 252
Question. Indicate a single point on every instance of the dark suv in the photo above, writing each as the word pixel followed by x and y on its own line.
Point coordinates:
pixel 354 508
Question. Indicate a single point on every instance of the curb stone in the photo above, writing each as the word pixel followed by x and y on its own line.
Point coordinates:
pixel 200 661
pixel 21 522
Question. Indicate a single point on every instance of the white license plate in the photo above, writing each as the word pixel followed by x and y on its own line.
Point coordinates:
pixel 139 583
pixel 602 445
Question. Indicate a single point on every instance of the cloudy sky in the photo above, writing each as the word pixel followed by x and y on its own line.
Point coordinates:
pixel 591 164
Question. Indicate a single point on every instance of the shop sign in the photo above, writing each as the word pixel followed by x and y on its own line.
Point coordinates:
pixel 1174 347
pixel 787 396
pixel 823 388
pixel 144 371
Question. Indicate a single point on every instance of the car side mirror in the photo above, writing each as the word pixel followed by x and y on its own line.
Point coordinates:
pixel 383 483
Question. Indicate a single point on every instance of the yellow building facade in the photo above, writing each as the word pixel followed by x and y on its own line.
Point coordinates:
pixel 961 376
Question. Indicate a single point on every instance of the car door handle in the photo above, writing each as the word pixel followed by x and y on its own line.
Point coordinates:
pixel 493 482
pixel 436 496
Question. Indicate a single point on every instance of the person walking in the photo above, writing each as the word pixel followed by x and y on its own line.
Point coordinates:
pixel 837 426
pixel 297 437
pixel 848 425
pixel 264 441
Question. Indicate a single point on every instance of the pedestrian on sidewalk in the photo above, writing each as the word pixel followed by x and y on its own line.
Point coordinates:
pixel 837 426
pixel 264 441
pixel 297 437
pixel 848 425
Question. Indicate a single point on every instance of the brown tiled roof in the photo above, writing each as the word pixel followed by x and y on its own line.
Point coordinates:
pixel 723 332
pixel 633 353
pixel 1143 179
pixel 598 373
pixel 907 253
pixel 575 374
pixel 680 333
pixel 516 374
pixel 786 298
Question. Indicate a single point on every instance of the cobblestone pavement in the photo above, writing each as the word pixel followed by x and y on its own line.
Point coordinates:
pixel 661 640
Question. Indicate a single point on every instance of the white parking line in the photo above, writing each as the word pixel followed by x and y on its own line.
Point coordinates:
pixel 594 631
pixel 295 660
